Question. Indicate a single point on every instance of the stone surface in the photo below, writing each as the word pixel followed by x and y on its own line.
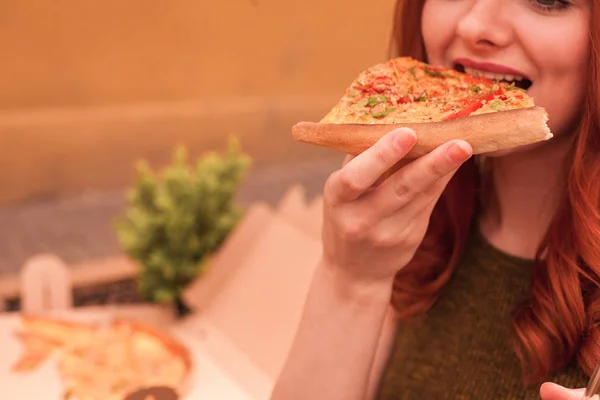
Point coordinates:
pixel 80 228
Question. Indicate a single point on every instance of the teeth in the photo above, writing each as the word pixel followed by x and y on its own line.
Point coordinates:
pixel 472 71
pixel 491 75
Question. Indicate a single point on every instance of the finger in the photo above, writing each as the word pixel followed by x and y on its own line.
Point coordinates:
pixel 427 199
pixel 418 211
pixel 347 159
pixel 402 163
pixel 421 176
pixel 421 207
pixel 552 391
pixel 361 172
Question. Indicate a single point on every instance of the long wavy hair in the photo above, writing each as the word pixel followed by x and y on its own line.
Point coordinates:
pixel 561 318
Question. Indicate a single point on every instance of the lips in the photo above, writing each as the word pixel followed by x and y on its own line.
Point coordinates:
pixel 493 71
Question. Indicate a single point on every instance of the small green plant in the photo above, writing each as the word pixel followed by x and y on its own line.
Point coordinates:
pixel 174 221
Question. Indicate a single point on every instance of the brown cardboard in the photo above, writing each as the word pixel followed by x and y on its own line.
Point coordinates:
pixel 230 257
pixel 292 201
pixel 260 306
pixel 251 296
pixel 231 360
pixel 295 208
pixel 314 217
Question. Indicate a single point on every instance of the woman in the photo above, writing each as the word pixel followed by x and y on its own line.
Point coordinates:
pixel 492 264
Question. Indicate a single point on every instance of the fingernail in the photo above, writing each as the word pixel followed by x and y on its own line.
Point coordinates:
pixel 551 390
pixel 459 152
pixel 404 139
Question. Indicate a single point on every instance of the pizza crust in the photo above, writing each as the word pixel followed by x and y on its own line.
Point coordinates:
pixel 486 133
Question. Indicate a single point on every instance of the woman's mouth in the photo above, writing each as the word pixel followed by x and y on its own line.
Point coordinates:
pixel 519 81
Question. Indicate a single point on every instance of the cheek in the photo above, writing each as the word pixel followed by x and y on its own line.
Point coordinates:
pixel 438 29
pixel 561 86
pixel 563 99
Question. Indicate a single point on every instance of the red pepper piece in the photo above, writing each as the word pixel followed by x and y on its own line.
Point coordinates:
pixel 472 107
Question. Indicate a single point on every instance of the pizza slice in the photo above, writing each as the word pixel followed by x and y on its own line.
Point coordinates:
pixel 105 361
pixel 37 351
pixel 41 337
pixel 439 104
pixel 123 359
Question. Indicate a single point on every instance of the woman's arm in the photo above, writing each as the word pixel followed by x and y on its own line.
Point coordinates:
pixel 372 228
pixel 382 355
pixel 334 350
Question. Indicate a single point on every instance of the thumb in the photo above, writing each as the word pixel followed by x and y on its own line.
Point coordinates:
pixel 552 391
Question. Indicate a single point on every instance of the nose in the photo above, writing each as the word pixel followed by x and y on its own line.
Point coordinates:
pixel 484 25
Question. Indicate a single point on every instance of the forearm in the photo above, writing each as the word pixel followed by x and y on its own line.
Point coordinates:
pixel 336 341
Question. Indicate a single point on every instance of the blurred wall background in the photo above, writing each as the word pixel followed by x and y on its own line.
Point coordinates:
pixel 87 87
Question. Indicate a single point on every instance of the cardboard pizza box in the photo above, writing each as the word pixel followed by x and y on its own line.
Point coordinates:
pixel 248 323
pixel 250 299
pixel 305 215
pixel 259 308
pixel 224 264
pixel 205 339
pixel 293 207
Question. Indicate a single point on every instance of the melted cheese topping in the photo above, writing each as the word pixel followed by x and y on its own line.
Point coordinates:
pixel 103 363
pixel 405 90
pixel 119 362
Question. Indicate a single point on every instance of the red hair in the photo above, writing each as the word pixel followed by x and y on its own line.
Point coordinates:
pixel 561 318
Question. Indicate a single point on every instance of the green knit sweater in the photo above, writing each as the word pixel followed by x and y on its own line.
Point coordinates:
pixel 460 348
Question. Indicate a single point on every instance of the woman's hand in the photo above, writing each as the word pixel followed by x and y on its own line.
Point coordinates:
pixel 552 391
pixel 373 224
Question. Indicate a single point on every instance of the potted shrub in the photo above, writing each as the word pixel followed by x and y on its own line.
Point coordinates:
pixel 174 221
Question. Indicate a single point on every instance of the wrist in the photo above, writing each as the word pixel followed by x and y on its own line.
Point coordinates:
pixel 348 288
